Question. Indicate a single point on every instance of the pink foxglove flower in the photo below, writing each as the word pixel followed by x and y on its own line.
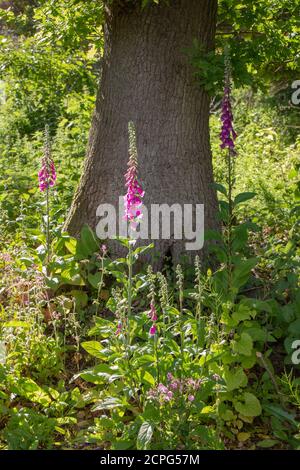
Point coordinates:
pixel 153 317
pixel 47 174
pixel 152 330
pixel 228 134
pixel 152 314
pixel 119 328
pixel 135 193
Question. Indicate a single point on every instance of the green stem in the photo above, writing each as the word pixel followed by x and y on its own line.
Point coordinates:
pixel 129 292
pixel 48 228
pixel 100 286
pixel 155 344
pixel 230 218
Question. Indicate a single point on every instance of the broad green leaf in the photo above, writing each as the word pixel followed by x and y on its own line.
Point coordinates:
pixel 93 348
pixel 242 271
pixel 243 345
pixel 225 412
pixel 121 444
pixel 102 373
pixel 294 327
pixel 243 197
pixel 94 279
pixel 109 404
pixel 148 378
pixel 71 276
pixel 267 443
pixel 88 243
pixel 143 249
pixel 220 188
pixel 71 245
pixel 280 413
pixel 235 379
pixel 144 436
pixel 248 405
pixel 241 314
pixel 81 298
pixel 30 390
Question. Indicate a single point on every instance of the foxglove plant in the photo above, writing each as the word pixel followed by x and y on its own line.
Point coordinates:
pixel 133 198
pixel 228 134
pixel 133 210
pixel 47 178
pixel 228 137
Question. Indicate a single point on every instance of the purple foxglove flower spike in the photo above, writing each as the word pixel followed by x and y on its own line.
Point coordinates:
pixel 228 134
pixel 47 174
pixel 135 193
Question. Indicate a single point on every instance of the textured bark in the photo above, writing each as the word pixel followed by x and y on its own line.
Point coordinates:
pixel 147 78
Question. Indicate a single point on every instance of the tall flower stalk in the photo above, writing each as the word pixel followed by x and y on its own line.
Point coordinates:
pixel 179 282
pixel 201 324
pixel 133 210
pixel 228 137
pixel 164 299
pixel 47 178
pixel 153 332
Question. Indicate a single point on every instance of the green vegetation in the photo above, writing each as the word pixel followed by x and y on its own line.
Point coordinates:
pixel 76 371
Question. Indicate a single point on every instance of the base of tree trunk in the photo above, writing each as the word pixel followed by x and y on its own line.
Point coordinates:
pixel 147 78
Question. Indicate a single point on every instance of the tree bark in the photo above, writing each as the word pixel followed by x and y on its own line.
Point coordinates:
pixel 147 78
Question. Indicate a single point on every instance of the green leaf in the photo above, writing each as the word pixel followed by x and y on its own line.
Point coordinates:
pixel 144 436
pixel 81 298
pixel 267 443
pixel 28 389
pixel 148 378
pixel 94 279
pixel 220 188
pixel 88 244
pixel 142 249
pixel 102 373
pixel 94 348
pixel 294 327
pixel 249 405
pixel 243 345
pixel 242 313
pixel 258 333
pixel 243 197
pixel 121 445
pixel 109 404
pixel 280 413
pixel 235 379
pixel 242 271
pixel 72 277
pixel 225 412
pixel 71 245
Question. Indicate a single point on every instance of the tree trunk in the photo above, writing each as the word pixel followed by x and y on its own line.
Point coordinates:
pixel 147 78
